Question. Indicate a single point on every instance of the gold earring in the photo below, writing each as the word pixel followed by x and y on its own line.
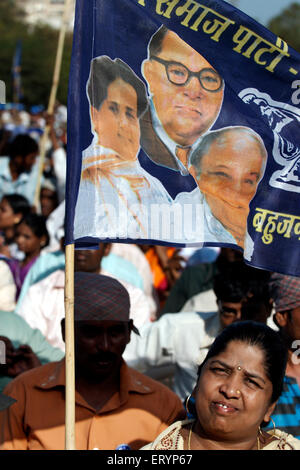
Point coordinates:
pixel 274 427
pixel 187 404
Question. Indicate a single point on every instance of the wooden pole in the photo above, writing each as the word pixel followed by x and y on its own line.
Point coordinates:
pixel 70 354
pixel 53 93
pixel 70 442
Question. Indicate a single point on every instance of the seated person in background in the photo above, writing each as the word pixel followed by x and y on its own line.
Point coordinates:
pixel 13 208
pixel 43 305
pixel 31 237
pixel 18 171
pixel 259 304
pixel 56 227
pixel 25 347
pixel 197 279
pixel 285 291
pixel 48 197
pixel 114 404
pixel 176 344
pixel 88 261
pixel 166 266
pixel 239 383
pixel 135 256
pixel 57 153
pixel 201 278
pixel 124 268
pixel 45 264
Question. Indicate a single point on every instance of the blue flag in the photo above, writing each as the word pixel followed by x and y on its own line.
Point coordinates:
pixel 183 130
pixel 16 73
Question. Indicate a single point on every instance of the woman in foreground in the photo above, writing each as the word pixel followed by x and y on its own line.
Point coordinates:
pixel 238 385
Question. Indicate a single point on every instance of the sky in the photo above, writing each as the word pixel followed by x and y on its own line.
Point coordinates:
pixel 264 10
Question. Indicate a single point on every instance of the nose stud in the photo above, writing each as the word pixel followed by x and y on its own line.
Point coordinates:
pixel 239 368
pixel 238 392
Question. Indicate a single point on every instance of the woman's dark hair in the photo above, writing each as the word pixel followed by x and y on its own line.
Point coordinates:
pixel 262 336
pixel 18 203
pixel 37 223
pixel 103 72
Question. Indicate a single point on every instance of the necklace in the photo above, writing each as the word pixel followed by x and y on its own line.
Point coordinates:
pixel 190 437
pixel 258 443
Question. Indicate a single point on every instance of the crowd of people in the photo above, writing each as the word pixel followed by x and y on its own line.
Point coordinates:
pixel 174 348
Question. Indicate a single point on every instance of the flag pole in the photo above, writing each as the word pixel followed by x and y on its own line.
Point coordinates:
pixel 70 443
pixel 52 98
pixel 70 438
pixel 70 354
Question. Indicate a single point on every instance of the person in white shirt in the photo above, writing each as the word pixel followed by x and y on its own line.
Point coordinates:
pixel 134 255
pixel 18 171
pixel 43 305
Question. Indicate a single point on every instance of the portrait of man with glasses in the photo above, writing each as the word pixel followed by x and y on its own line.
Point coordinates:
pixel 186 95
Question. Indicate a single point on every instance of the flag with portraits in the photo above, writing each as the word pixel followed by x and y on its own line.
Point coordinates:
pixel 183 130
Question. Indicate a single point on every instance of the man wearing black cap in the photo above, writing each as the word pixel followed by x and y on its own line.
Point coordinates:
pixel 115 405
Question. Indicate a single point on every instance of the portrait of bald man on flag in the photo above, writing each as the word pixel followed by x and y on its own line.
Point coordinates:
pixel 228 165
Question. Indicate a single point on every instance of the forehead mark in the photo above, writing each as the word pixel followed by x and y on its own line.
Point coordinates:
pixel 239 368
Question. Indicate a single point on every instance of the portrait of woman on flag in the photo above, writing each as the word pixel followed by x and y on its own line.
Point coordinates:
pixel 115 193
